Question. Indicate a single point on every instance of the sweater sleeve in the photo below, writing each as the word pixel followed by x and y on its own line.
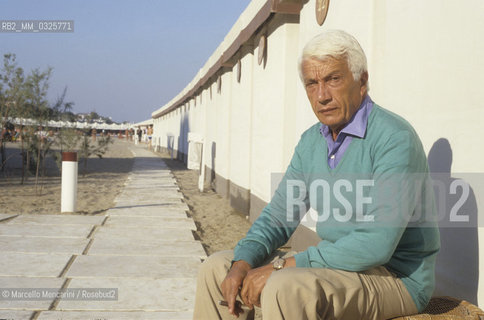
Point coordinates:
pixel 394 195
pixel 277 222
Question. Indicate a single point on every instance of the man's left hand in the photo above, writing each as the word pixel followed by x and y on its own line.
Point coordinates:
pixel 255 281
pixel 253 284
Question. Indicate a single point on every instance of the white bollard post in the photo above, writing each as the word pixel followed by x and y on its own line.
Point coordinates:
pixel 69 182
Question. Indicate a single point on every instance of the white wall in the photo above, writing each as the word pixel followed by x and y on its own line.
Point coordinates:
pixel 223 124
pixel 437 60
pixel 274 105
pixel 210 125
pixel 240 120
pixel 426 63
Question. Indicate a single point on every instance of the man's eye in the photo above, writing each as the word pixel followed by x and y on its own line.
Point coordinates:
pixel 310 84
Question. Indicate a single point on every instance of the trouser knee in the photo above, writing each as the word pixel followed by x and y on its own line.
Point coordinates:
pixel 277 285
pixel 217 263
pixel 291 294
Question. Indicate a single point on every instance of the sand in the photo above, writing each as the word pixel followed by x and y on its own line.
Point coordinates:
pixel 97 189
pixel 219 225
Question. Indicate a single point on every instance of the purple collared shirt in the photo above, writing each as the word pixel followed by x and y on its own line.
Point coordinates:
pixel 355 127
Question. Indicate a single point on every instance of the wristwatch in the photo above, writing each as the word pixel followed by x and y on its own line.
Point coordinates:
pixel 279 264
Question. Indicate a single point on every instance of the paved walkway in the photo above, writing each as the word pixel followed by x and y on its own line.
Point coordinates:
pixel 142 250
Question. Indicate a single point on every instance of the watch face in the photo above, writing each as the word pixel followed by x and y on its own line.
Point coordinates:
pixel 322 7
pixel 279 264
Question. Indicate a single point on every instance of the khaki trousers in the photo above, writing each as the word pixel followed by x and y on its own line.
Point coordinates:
pixel 308 293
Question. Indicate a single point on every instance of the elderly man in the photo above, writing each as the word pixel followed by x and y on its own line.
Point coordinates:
pixel 363 170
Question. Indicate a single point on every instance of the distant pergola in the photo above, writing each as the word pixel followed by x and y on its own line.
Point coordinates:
pixel 72 125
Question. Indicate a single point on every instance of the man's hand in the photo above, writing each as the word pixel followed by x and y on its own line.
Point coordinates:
pixel 256 280
pixel 231 284
pixel 253 284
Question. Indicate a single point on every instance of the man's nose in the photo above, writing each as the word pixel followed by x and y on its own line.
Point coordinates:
pixel 324 95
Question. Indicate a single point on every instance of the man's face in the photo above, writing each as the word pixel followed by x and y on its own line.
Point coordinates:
pixel 333 93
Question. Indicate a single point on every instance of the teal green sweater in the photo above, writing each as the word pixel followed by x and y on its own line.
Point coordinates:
pixel 375 207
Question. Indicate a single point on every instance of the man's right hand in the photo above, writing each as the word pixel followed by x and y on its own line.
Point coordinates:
pixel 231 284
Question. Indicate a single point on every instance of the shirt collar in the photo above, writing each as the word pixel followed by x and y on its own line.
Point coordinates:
pixel 357 125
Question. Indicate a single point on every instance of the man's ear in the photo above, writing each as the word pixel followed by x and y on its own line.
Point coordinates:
pixel 364 82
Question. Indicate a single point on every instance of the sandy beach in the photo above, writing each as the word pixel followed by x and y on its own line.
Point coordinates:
pixel 219 225
pixel 97 189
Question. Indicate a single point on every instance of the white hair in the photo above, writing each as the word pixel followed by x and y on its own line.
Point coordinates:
pixel 335 44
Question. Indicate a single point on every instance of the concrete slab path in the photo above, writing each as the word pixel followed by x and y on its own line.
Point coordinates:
pixel 138 261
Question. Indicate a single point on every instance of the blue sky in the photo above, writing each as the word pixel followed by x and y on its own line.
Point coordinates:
pixel 125 58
